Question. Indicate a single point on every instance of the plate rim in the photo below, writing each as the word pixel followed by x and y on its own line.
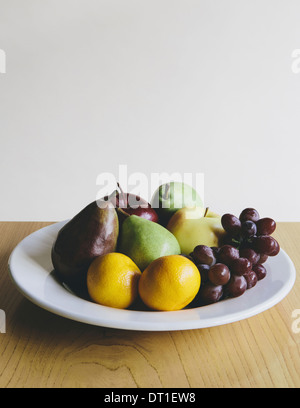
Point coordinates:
pixel 139 325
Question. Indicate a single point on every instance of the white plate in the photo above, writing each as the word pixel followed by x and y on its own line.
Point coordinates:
pixel 31 270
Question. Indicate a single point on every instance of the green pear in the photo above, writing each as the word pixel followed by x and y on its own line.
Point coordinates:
pixel 92 232
pixel 196 226
pixel 171 197
pixel 144 241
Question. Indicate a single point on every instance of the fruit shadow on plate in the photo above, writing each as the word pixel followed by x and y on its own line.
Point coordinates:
pixel 82 293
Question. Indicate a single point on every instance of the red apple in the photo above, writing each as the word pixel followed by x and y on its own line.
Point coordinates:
pixel 131 204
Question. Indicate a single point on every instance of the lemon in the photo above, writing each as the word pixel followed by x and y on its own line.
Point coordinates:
pixel 112 280
pixel 169 283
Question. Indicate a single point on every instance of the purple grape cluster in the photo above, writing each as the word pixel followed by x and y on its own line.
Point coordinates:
pixel 228 271
pixel 251 231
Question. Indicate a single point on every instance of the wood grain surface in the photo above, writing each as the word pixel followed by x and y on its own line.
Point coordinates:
pixel 40 349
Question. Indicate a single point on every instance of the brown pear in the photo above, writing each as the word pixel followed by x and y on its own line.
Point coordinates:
pixel 92 232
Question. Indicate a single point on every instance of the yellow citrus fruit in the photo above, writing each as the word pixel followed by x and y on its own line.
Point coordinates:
pixel 112 280
pixel 169 283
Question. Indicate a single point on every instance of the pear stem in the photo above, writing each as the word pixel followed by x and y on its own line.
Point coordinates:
pixel 167 192
pixel 206 211
pixel 123 195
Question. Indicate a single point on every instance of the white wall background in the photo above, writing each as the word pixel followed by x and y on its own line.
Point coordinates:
pixel 159 85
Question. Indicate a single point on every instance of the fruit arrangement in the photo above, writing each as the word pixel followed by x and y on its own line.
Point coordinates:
pixel 172 253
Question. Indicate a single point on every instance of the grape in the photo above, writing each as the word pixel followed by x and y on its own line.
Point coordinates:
pixel 227 254
pixel 240 266
pixel 263 258
pixel 236 286
pixel 264 244
pixel 248 229
pixel 249 214
pixel 231 224
pixel 276 249
pixel 203 269
pixel 251 279
pixel 203 254
pixel 219 274
pixel 210 293
pixel 260 271
pixel 250 254
pixel 265 226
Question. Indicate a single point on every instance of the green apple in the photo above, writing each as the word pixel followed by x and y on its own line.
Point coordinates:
pixel 173 196
pixel 196 226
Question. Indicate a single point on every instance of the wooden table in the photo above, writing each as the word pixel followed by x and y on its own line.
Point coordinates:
pixel 40 349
